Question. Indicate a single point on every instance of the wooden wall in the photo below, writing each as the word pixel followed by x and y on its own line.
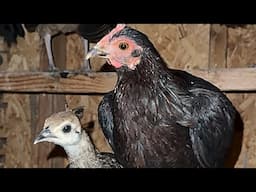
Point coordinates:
pixel 183 46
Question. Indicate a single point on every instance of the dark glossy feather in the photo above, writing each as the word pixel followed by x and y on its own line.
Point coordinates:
pixel 10 32
pixel 94 32
pixel 105 116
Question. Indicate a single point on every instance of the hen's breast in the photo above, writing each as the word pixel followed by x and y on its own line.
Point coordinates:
pixel 145 133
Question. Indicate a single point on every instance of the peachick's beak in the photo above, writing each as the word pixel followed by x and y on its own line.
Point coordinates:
pixel 95 51
pixel 43 135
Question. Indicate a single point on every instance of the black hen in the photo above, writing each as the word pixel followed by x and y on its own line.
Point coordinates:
pixel 10 32
pixel 161 117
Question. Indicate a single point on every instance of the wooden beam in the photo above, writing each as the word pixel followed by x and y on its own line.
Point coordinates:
pixel 45 82
pixel 236 79
pixel 232 79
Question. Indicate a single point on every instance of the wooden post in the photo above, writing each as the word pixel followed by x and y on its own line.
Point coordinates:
pixel 218 59
pixel 49 155
pixel 218 46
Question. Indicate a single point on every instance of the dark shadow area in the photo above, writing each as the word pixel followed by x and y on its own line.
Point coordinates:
pixel 236 146
pixel 57 151
pixel 3 141
pixel 107 68
pixel 1 60
pixel 2 160
pixel 89 127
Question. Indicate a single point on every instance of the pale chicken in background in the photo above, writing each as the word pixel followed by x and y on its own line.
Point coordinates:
pixel 88 32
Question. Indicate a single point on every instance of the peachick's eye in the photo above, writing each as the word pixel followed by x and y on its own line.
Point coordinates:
pixel 66 129
pixel 123 45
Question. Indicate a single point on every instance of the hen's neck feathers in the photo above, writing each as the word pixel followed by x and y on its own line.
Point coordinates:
pixel 150 68
pixel 152 79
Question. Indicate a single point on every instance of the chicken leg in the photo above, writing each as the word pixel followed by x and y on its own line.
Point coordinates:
pixel 87 67
pixel 48 45
pixel 52 67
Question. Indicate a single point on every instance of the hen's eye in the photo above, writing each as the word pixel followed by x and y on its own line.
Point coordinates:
pixel 66 129
pixel 123 45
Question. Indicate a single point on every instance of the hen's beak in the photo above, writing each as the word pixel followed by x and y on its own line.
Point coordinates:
pixel 43 136
pixel 95 51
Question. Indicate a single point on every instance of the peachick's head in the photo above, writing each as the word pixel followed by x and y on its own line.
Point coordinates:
pixel 62 128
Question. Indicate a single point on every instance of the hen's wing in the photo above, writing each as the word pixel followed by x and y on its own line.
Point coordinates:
pixel 212 120
pixel 213 133
pixel 105 115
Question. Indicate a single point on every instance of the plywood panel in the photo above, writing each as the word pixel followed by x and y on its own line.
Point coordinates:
pixel 241 53
pixel 16 117
pixel 218 46
pixel 184 46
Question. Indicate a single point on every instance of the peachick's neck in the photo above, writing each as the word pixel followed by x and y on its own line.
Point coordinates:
pixel 83 154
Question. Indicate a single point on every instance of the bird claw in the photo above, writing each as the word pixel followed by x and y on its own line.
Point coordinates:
pixel 87 67
pixel 52 68
pixel 252 65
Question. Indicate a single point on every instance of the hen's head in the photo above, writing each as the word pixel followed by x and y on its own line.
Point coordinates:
pixel 62 128
pixel 123 46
